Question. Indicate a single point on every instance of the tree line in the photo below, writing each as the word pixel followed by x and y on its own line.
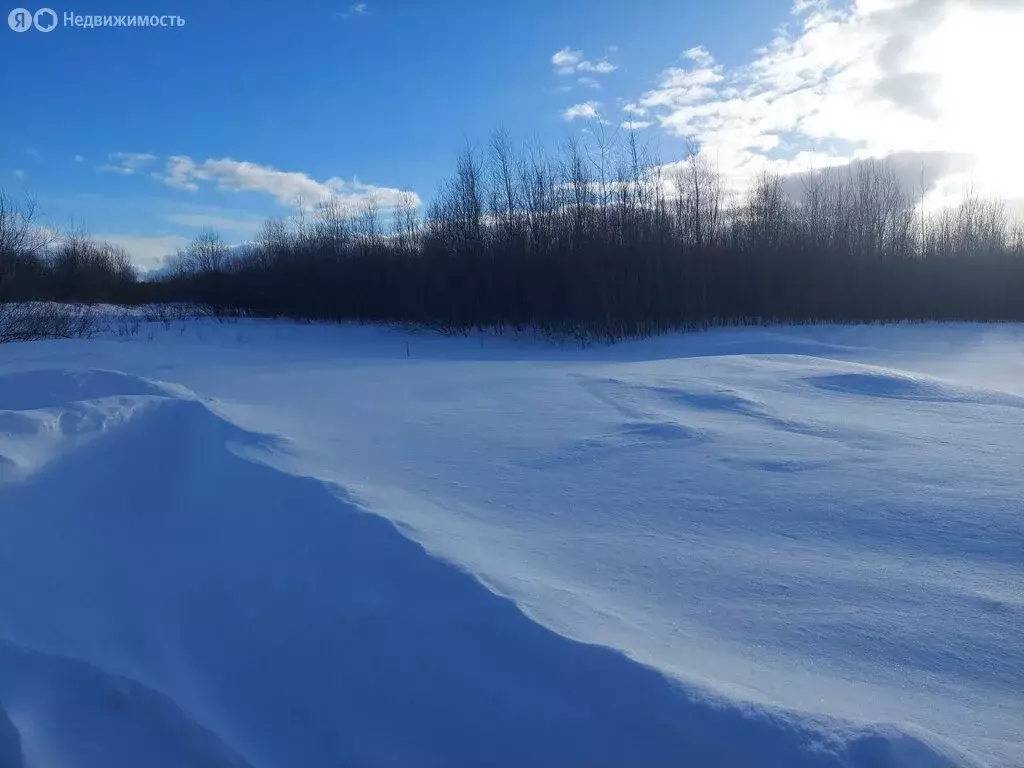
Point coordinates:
pixel 597 241
pixel 38 263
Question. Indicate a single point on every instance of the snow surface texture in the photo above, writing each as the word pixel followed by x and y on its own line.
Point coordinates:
pixel 269 545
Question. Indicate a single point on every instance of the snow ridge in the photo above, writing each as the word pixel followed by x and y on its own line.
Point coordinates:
pixel 172 598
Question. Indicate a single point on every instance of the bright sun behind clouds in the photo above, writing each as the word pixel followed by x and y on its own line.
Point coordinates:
pixel 980 58
pixel 930 80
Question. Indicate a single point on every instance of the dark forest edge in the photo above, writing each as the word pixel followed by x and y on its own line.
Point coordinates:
pixel 597 243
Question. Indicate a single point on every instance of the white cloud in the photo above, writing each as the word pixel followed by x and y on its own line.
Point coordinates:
pixel 636 125
pixel 868 79
pixel 588 110
pixel 178 174
pixel 803 6
pixel 680 86
pixel 568 61
pixel 701 55
pixel 634 109
pixel 358 9
pixel 287 187
pixel 126 163
pixel 79 159
pixel 589 82
pixel 602 67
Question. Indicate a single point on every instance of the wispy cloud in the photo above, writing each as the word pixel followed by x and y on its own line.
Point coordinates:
pixel 569 61
pixel 79 159
pixel 566 60
pixel 680 86
pixel 358 9
pixel 587 110
pixel 126 163
pixel 32 152
pixel 635 125
pixel 701 55
pixel 18 173
pixel 287 187
pixel 235 224
pixel 599 67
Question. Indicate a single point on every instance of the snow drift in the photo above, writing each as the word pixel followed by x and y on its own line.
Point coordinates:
pixel 711 558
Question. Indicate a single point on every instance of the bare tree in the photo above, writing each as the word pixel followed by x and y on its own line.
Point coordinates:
pixel 699 191
pixel 505 203
pixel 206 254
pixel 23 241
pixel 406 223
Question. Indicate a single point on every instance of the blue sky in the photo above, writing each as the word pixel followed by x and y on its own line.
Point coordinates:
pixel 145 135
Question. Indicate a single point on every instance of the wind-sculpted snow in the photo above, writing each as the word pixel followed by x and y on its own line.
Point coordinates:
pixel 914 388
pixel 750 559
pixel 72 713
pixel 39 389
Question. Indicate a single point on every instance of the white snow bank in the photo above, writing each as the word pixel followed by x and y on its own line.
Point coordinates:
pixel 814 554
